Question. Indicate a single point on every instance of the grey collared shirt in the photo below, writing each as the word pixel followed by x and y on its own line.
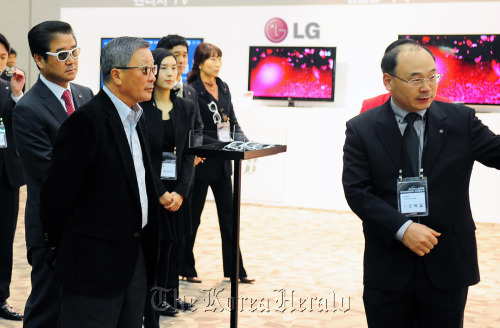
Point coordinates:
pixel 130 117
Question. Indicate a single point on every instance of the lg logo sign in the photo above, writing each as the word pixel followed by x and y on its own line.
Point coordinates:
pixel 276 30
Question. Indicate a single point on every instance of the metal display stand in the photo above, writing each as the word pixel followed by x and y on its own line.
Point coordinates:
pixel 216 151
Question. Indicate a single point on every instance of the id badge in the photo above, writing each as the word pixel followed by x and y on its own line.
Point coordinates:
pixel 169 166
pixel 3 137
pixel 223 132
pixel 413 196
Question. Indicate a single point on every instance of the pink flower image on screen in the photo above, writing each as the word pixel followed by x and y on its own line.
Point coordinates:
pixel 470 66
pixel 304 73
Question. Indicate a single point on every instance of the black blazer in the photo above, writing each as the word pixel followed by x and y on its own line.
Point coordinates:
pixel 455 139
pixel 10 161
pixel 36 119
pixel 214 169
pixel 182 121
pixel 191 94
pixel 90 205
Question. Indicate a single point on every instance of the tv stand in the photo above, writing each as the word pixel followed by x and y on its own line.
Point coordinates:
pixel 291 103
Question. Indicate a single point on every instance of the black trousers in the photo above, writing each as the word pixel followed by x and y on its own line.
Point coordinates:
pixel 157 294
pixel 9 208
pixel 187 261
pixel 124 311
pixel 44 302
pixel 419 305
pixel 223 194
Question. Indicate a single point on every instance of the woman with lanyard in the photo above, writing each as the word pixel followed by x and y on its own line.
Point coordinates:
pixel 216 109
pixel 169 120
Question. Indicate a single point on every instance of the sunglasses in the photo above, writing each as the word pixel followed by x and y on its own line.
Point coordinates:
pixel 63 55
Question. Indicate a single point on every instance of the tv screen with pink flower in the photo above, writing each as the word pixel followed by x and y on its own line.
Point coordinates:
pixel 470 65
pixel 292 73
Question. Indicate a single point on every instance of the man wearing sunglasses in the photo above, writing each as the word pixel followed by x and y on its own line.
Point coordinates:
pixel 36 119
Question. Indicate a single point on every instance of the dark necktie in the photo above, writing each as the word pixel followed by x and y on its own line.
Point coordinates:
pixel 67 100
pixel 411 147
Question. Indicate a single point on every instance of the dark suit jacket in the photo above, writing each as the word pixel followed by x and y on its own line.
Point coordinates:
pixel 36 119
pixel 214 169
pixel 10 162
pixel 455 138
pixel 182 121
pixel 191 94
pixel 90 205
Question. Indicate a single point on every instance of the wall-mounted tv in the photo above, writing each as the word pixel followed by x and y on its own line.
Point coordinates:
pixel 470 65
pixel 192 44
pixel 292 73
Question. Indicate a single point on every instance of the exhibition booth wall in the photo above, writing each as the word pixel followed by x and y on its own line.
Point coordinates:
pixel 309 173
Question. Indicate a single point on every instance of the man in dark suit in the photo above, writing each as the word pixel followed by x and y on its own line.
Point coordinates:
pixel 37 118
pixel 11 178
pixel 99 205
pixel 179 47
pixel 411 279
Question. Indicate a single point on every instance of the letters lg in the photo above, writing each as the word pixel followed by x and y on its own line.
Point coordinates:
pixel 311 31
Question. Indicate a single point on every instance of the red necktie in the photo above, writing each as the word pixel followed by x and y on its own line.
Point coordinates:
pixel 67 100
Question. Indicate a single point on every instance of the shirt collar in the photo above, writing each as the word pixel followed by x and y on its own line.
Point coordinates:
pixel 123 110
pixel 179 87
pixel 56 89
pixel 401 113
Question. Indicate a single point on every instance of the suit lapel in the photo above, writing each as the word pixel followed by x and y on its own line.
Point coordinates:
pixel 437 130
pixel 180 125
pixel 388 132
pixel 78 98
pixel 123 148
pixel 174 117
pixel 50 101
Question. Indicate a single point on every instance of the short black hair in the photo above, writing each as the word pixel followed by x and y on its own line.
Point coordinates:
pixel 172 40
pixel 3 40
pixel 40 36
pixel 12 52
pixel 390 60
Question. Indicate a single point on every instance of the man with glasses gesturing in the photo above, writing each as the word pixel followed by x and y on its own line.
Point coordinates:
pixel 407 167
pixel 36 120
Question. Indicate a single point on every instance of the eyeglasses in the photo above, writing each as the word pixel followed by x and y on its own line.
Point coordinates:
pixel 213 108
pixel 146 69
pixel 63 55
pixel 415 83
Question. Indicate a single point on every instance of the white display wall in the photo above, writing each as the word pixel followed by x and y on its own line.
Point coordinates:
pixel 309 174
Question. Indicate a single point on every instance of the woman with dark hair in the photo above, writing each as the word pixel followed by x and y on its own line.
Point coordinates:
pixel 216 109
pixel 169 120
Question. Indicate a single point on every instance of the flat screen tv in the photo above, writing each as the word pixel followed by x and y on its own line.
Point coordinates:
pixel 192 44
pixel 292 73
pixel 470 65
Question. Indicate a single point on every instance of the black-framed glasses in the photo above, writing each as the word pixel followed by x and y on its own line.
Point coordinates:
pixel 63 55
pixel 415 83
pixel 146 69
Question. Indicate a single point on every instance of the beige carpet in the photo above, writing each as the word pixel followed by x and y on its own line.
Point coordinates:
pixel 308 266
